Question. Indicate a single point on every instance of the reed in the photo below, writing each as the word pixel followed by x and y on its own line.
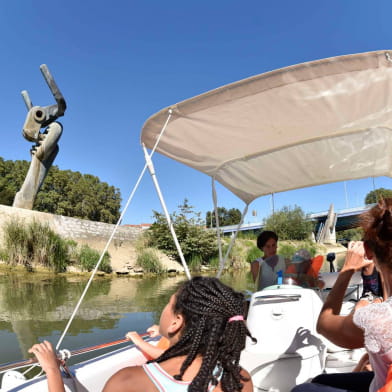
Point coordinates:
pixel 89 257
pixel 194 263
pixel 33 244
pixel 36 244
pixel 148 259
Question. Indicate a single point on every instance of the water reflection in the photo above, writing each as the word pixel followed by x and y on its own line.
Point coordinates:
pixel 35 307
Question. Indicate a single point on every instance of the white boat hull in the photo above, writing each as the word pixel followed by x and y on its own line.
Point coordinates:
pixel 90 375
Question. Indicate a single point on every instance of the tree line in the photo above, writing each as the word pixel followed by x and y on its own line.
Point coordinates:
pixel 64 192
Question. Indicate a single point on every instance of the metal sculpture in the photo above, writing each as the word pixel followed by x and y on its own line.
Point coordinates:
pixel 46 148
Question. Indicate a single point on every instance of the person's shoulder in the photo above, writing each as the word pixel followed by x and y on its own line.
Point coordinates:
pixel 259 260
pixel 248 385
pixel 129 379
pixel 376 313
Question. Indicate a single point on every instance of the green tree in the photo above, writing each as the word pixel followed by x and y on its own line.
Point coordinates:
pixel 63 192
pixel 355 234
pixel 377 194
pixel 195 240
pixel 289 224
pixel 226 217
pixel 12 174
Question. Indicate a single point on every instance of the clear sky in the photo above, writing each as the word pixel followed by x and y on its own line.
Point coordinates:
pixel 119 62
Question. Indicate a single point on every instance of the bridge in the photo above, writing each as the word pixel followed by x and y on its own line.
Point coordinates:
pixel 344 219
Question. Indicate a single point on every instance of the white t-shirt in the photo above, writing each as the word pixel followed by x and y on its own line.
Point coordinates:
pixel 268 276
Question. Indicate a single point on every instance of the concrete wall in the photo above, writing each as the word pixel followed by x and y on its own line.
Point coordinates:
pixel 77 229
pixel 94 234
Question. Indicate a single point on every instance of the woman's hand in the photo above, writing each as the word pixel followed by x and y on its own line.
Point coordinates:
pixel 355 258
pixel 46 356
pixel 135 337
pixel 50 364
pixel 153 331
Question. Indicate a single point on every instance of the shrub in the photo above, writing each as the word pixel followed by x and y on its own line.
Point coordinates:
pixel 288 249
pixel 89 257
pixel 3 255
pixel 190 231
pixel 195 263
pixel 214 262
pixel 355 234
pixel 148 260
pixel 253 253
pixel 289 224
pixel 73 252
pixel 247 235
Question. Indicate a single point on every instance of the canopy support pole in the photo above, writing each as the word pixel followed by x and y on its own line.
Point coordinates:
pixel 151 169
pixel 94 271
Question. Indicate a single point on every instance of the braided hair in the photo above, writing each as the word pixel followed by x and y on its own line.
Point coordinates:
pixel 377 226
pixel 207 305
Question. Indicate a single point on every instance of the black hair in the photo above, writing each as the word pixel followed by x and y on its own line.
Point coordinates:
pixel 207 305
pixel 264 236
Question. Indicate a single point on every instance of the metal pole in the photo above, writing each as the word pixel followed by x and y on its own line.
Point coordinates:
pixel 165 210
pixel 345 192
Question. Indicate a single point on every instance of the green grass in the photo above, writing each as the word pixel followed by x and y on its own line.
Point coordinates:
pixel 253 253
pixel 89 257
pixel 195 262
pixel 34 243
pixel 148 260
pixel 287 249
pixel 214 262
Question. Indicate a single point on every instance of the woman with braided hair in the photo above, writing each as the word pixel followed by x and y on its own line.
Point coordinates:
pixel 204 323
pixel 370 323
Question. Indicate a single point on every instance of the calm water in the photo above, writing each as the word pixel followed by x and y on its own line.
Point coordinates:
pixel 35 307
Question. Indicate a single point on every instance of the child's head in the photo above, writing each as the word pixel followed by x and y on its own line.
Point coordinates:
pixel 208 318
pixel 267 242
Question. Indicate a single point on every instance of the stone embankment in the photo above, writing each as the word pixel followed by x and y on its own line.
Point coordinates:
pixel 95 234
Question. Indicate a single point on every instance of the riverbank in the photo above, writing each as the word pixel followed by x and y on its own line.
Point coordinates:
pixel 124 260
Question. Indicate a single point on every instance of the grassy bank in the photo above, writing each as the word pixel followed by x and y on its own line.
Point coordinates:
pixel 34 246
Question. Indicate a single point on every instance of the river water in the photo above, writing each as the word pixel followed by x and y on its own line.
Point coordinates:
pixel 35 307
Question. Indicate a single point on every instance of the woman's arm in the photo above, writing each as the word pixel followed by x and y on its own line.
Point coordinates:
pixel 254 269
pixel 341 330
pixel 151 350
pixel 49 363
pixel 129 379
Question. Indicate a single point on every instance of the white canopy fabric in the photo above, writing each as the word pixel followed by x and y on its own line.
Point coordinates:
pixel 313 123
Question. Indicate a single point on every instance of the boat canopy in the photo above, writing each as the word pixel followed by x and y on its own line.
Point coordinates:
pixel 308 124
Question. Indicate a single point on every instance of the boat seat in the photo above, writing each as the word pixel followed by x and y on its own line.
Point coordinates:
pixel 287 341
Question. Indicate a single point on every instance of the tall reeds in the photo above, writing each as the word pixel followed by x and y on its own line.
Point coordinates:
pixel 88 258
pixel 148 259
pixel 35 244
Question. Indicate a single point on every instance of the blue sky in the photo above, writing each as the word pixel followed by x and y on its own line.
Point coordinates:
pixel 119 62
